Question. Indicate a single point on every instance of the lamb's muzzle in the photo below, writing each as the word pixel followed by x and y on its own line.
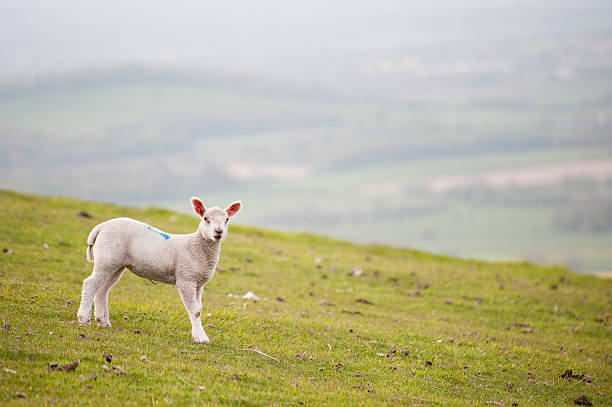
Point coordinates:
pixel 188 260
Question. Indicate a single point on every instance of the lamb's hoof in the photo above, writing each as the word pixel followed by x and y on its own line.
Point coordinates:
pixel 200 338
pixel 83 320
pixel 103 324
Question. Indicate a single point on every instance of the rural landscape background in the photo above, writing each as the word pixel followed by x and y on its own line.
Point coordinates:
pixel 476 128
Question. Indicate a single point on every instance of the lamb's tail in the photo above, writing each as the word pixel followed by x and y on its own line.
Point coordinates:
pixel 91 240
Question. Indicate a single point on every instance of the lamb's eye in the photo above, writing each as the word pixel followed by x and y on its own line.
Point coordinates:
pixel 206 219
pixel 226 220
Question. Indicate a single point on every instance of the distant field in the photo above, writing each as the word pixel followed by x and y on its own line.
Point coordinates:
pixel 337 164
pixel 411 329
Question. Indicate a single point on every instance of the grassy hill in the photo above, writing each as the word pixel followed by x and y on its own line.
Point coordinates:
pixel 412 329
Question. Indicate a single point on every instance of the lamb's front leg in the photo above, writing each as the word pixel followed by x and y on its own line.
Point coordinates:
pixel 189 295
pixel 199 296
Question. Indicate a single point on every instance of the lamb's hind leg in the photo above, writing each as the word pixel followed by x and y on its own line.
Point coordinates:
pixel 101 299
pixel 100 275
pixel 188 292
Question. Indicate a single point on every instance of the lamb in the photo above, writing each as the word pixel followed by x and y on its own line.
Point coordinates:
pixel 189 260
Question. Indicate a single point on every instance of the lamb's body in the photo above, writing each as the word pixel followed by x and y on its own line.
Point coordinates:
pixel 153 254
pixel 189 260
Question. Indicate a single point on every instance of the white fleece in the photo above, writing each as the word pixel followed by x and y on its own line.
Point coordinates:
pixel 187 260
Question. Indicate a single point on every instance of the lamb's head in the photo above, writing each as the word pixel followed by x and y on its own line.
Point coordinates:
pixel 214 221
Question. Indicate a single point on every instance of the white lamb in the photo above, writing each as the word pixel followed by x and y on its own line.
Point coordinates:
pixel 189 261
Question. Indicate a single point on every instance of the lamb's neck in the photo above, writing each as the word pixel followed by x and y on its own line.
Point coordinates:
pixel 208 250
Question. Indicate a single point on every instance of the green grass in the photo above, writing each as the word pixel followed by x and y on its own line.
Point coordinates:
pixel 495 333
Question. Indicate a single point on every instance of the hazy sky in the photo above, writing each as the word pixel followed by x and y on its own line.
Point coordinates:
pixel 295 39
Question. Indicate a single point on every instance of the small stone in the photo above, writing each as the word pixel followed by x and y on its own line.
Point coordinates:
pixel 118 370
pixel 356 271
pixel 528 330
pixel 20 394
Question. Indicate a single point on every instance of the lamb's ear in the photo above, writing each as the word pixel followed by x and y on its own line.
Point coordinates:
pixel 233 208
pixel 198 206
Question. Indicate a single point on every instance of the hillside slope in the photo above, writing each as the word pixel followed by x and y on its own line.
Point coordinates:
pixel 412 329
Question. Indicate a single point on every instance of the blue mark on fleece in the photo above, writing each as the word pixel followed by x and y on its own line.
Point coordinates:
pixel 159 232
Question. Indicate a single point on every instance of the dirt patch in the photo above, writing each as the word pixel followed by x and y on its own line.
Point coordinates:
pixel 583 401
pixel 604 274
pixel 344 311
pixel 555 174
pixel 249 171
pixel 569 375
pixel 70 367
